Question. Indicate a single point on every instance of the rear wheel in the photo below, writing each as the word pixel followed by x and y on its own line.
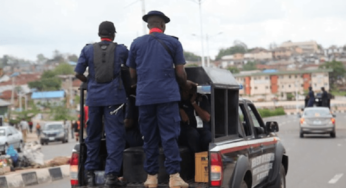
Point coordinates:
pixel 244 184
pixel 20 147
pixel 282 177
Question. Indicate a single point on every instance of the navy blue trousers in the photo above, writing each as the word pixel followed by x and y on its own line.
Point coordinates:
pixel 196 140
pixel 115 138
pixel 160 121
pixel 133 138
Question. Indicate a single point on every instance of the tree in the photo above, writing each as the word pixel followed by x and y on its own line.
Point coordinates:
pixel 250 66
pixel 73 58
pixel 41 58
pixel 338 72
pixel 57 56
pixel 63 69
pixel 230 51
pixel 48 82
pixel 189 56
pixel 233 70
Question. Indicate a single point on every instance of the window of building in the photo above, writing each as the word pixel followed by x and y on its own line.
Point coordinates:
pixel 266 87
pixel 289 86
pixel 302 85
pixel 267 78
pixel 289 76
pixel 295 76
pixel 255 87
pixel 282 86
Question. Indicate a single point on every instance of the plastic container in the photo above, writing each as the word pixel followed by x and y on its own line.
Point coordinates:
pixel 204 89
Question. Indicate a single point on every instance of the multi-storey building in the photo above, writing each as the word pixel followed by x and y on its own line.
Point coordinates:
pixel 273 83
pixel 307 47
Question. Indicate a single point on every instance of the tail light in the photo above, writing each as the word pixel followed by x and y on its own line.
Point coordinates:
pixel 333 120
pixel 74 169
pixel 215 169
pixel 302 120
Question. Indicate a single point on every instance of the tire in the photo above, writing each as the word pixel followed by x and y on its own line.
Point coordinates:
pixel 301 134
pixel 20 148
pixel 332 134
pixel 282 177
pixel 244 184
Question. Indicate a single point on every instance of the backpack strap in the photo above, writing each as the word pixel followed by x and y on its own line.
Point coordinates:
pixel 164 45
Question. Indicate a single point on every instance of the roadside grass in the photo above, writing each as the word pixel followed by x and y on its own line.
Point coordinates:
pixel 338 93
pixel 265 112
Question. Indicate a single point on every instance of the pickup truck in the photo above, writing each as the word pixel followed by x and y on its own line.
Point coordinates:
pixel 245 151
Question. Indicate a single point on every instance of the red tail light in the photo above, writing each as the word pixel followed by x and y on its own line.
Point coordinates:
pixel 302 120
pixel 215 169
pixel 74 168
pixel 333 120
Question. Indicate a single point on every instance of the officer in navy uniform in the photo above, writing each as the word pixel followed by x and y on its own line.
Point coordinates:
pixel 158 61
pixel 195 115
pixel 106 96
pixel 133 135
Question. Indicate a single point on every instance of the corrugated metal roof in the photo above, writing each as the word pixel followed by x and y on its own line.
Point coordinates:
pixel 4 103
pixel 47 94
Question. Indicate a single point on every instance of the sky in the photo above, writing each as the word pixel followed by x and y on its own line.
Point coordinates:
pixel 28 28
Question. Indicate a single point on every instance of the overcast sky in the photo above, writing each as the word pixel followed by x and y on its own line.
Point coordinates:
pixel 30 27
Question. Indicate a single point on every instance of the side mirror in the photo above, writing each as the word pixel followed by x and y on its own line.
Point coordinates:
pixel 334 115
pixel 272 126
pixel 259 130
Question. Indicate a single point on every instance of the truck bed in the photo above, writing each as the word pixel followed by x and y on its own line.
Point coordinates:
pixel 192 185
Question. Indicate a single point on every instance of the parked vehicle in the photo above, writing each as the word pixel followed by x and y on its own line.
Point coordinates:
pixel 317 120
pixel 10 136
pixel 54 131
pixel 245 152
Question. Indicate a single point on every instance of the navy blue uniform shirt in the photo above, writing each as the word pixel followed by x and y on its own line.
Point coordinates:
pixel 186 105
pixel 103 94
pixel 156 80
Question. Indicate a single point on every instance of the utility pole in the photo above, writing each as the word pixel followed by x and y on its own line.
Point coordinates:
pixel 200 16
pixel 143 13
pixel 12 94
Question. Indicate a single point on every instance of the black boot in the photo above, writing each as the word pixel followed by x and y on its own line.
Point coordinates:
pixel 90 179
pixel 112 181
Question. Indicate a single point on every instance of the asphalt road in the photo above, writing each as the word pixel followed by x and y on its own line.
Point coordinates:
pixel 316 161
pixel 55 149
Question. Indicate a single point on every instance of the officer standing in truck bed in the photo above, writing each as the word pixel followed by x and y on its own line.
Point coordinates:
pixel 106 96
pixel 152 58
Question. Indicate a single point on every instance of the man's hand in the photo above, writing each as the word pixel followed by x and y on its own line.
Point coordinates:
pixel 81 77
pixel 128 123
pixel 184 117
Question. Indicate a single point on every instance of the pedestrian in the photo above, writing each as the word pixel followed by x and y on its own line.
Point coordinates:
pixel 24 126
pixel 105 99
pixel 325 98
pixel 72 130
pixel 30 126
pixel 311 98
pixel 152 58
pixel 38 130
pixel 76 129
pixel 67 126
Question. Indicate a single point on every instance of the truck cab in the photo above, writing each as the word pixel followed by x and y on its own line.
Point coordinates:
pixel 245 151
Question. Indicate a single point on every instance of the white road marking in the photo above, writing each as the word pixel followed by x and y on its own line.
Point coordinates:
pixel 339 145
pixel 335 179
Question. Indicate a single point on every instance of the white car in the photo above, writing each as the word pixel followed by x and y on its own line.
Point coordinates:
pixel 10 136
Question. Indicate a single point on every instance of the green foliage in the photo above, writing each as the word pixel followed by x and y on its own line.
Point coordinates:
pixel 192 65
pixel 233 70
pixel 289 96
pixel 265 112
pixel 230 51
pixel 73 58
pixel 60 113
pixel 336 92
pixel 189 56
pixel 338 72
pixel 63 69
pixel 250 66
pixel 48 82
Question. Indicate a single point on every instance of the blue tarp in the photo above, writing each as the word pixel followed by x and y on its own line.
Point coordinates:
pixel 47 94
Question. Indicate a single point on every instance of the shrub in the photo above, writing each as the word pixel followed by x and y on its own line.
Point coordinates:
pixel 265 112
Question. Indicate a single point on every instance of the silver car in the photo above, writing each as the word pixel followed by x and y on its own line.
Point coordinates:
pixel 317 120
pixel 10 136
pixel 53 132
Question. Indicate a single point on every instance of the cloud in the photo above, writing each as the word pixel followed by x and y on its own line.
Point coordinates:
pixel 41 26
